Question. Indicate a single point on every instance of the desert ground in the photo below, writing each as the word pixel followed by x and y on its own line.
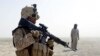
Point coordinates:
pixel 86 47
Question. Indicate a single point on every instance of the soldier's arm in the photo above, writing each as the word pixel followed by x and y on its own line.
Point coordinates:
pixel 21 41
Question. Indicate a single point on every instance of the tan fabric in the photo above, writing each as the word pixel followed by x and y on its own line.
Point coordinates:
pixel 50 43
pixel 21 41
pixel 23 52
pixel 28 11
pixel 35 50
pixel 36 34
pixel 24 46
pixel 41 50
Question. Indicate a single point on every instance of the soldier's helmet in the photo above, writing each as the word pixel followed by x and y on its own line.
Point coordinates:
pixel 29 11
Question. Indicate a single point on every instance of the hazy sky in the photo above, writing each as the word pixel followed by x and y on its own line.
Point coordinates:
pixel 58 15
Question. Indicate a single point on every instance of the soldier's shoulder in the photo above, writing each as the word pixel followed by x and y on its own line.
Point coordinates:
pixel 16 29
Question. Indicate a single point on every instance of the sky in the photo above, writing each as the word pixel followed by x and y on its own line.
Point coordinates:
pixel 58 15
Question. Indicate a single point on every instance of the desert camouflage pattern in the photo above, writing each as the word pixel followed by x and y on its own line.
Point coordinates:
pixel 28 11
pixel 50 44
pixel 27 46
pixel 22 41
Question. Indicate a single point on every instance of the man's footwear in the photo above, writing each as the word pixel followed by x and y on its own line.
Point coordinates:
pixel 74 49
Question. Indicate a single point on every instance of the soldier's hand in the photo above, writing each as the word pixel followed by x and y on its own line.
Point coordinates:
pixel 35 33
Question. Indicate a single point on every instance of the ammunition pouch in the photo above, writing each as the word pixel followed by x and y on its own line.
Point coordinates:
pixel 41 50
pixel 23 52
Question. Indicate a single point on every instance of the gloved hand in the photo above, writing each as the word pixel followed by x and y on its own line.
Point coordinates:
pixel 35 33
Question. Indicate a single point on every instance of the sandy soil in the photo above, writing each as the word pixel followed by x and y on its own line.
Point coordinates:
pixel 86 47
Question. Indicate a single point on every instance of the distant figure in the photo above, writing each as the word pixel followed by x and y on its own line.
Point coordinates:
pixel 74 37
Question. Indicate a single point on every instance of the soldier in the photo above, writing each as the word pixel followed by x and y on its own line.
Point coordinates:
pixel 74 37
pixel 26 41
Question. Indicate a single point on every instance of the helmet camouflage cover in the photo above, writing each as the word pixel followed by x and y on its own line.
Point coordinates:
pixel 28 11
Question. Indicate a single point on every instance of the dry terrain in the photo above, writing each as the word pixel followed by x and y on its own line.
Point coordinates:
pixel 86 47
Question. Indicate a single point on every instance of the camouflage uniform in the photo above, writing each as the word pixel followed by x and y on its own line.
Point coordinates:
pixel 26 43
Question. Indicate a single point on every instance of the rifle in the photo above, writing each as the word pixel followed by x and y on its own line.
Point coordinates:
pixel 46 33
pixel 26 24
